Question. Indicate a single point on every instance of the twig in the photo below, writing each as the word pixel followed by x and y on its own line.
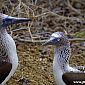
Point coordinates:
pixel 70 6
pixel 81 1
pixel 54 14
pixel 24 28
pixel 42 41
pixel 59 16
pixel 30 41
pixel 77 39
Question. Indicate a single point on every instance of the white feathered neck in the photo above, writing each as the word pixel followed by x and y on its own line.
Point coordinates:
pixel 61 63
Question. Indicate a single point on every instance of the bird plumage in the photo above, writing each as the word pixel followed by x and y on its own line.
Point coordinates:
pixel 8 54
pixel 5 68
pixel 62 55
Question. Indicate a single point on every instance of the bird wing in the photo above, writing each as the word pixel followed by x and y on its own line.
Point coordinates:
pixel 5 65
pixel 3 54
pixel 5 69
pixel 72 78
pixel 81 68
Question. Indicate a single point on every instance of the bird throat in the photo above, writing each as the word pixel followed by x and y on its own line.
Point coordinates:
pixel 62 56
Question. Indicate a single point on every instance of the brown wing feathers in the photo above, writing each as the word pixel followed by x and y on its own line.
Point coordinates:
pixel 71 78
pixel 5 68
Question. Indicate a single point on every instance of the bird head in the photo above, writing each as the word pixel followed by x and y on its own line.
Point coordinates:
pixel 6 20
pixel 58 39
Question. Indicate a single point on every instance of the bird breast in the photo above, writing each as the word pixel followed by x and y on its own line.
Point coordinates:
pixel 7 48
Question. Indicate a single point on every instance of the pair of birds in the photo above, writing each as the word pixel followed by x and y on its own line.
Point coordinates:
pixel 63 73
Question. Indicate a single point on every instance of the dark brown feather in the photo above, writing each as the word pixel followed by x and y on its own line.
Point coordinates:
pixel 5 68
pixel 71 78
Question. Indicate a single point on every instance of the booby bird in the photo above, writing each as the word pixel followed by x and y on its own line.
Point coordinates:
pixel 64 74
pixel 8 55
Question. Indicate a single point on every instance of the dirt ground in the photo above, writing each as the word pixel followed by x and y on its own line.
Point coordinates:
pixel 35 60
pixel 35 64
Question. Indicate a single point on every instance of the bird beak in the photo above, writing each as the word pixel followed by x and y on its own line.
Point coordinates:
pixel 8 20
pixel 49 41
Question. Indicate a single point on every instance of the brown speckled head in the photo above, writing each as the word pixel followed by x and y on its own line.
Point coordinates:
pixel 58 39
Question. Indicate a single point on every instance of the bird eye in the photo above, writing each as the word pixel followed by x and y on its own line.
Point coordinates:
pixel 58 39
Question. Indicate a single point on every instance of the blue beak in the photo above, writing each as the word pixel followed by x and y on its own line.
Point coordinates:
pixel 8 20
pixel 50 41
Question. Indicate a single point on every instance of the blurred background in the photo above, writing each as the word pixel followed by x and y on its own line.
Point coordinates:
pixel 35 60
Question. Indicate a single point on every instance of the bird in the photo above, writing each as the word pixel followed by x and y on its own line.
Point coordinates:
pixel 64 74
pixel 8 54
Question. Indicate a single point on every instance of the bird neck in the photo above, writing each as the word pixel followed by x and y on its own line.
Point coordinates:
pixel 62 56
pixel 3 31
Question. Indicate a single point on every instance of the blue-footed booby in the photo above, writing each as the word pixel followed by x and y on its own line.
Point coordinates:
pixel 8 55
pixel 64 74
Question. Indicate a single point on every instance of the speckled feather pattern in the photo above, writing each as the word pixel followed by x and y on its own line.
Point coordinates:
pixel 64 57
pixel 3 50
pixel 63 54
pixel 8 52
